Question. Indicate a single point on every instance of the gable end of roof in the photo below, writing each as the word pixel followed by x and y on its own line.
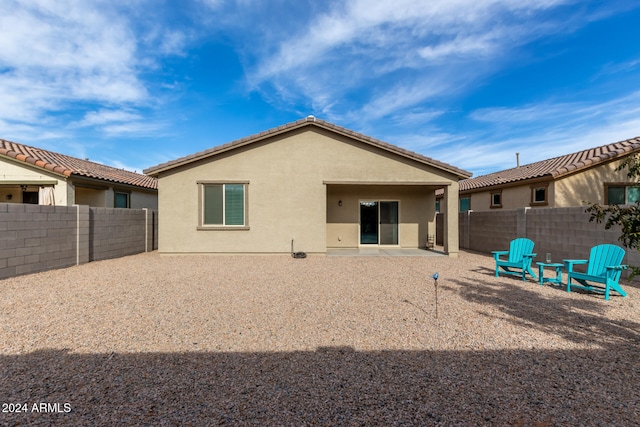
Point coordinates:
pixel 308 121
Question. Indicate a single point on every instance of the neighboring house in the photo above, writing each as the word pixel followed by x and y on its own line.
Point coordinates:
pixel 563 181
pixel 33 175
pixel 310 181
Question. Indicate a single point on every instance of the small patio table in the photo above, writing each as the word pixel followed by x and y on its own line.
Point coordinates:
pixel 555 280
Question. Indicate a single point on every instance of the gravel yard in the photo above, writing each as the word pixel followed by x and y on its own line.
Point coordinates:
pixel 271 340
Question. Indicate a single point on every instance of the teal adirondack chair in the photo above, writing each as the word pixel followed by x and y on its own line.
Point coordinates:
pixel 603 267
pixel 519 256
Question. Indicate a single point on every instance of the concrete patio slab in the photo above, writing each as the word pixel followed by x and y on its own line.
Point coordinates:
pixel 385 252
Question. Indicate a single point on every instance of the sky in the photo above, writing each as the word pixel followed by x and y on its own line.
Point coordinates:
pixel 136 83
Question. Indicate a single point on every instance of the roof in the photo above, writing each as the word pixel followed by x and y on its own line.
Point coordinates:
pixel 556 167
pixel 306 122
pixel 73 167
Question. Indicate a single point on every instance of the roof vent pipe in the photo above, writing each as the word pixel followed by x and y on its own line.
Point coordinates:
pixel 518 160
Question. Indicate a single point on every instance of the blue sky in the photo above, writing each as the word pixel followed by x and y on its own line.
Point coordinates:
pixel 469 82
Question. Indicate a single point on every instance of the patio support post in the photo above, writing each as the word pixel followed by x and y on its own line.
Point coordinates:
pixel 451 238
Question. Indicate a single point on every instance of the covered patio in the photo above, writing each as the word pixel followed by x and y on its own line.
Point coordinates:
pixel 389 219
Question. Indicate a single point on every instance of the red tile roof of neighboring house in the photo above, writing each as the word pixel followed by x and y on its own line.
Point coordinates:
pixel 555 167
pixel 308 121
pixel 71 166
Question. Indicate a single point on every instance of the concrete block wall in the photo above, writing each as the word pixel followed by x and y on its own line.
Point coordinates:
pixel 565 233
pixel 38 238
pixel 116 233
pixel 489 229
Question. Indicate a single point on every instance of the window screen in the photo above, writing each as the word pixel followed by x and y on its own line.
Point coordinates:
pixel 465 204
pixel 223 204
pixel 213 205
pixel 122 200
pixel 234 204
pixel 633 194
pixel 615 195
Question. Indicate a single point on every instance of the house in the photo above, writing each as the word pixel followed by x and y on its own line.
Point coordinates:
pixel 309 181
pixel 563 181
pixel 33 175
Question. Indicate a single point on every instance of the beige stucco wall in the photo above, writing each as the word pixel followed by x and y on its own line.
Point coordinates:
pixel 512 198
pixel 105 198
pixel 287 193
pixel 141 199
pixel 10 171
pixel 102 198
pixel 90 197
pixel 588 185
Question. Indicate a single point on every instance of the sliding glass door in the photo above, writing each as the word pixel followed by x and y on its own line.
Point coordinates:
pixel 388 223
pixel 378 223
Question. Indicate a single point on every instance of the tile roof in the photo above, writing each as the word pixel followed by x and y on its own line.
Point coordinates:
pixel 556 167
pixel 71 166
pixel 308 121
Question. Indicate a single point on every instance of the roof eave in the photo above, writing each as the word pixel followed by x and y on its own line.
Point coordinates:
pixel 309 121
pixel 517 183
pixel 35 163
pixel 110 182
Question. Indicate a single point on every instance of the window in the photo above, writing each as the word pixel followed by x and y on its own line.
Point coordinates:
pixel 437 205
pixel 121 200
pixel 539 195
pixel 496 199
pixel 621 194
pixel 30 197
pixel 223 205
pixel 465 204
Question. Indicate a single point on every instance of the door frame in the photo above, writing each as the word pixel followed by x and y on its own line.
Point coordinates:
pixel 378 201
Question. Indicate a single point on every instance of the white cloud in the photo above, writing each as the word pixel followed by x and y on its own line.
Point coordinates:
pixel 460 46
pixel 549 129
pixel 60 45
pixel 138 129
pixel 416 117
pixel 395 51
pixel 102 117
pixel 63 53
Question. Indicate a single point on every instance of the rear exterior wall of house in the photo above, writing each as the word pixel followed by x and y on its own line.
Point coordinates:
pixel 293 184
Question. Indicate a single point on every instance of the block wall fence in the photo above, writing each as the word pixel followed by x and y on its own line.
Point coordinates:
pixel 565 233
pixel 38 238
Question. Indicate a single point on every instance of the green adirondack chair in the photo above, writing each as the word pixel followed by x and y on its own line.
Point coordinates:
pixel 519 257
pixel 604 267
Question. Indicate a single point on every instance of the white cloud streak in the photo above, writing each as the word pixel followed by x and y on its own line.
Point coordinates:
pixel 108 116
pixel 62 54
pixel 355 45
pixel 547 130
